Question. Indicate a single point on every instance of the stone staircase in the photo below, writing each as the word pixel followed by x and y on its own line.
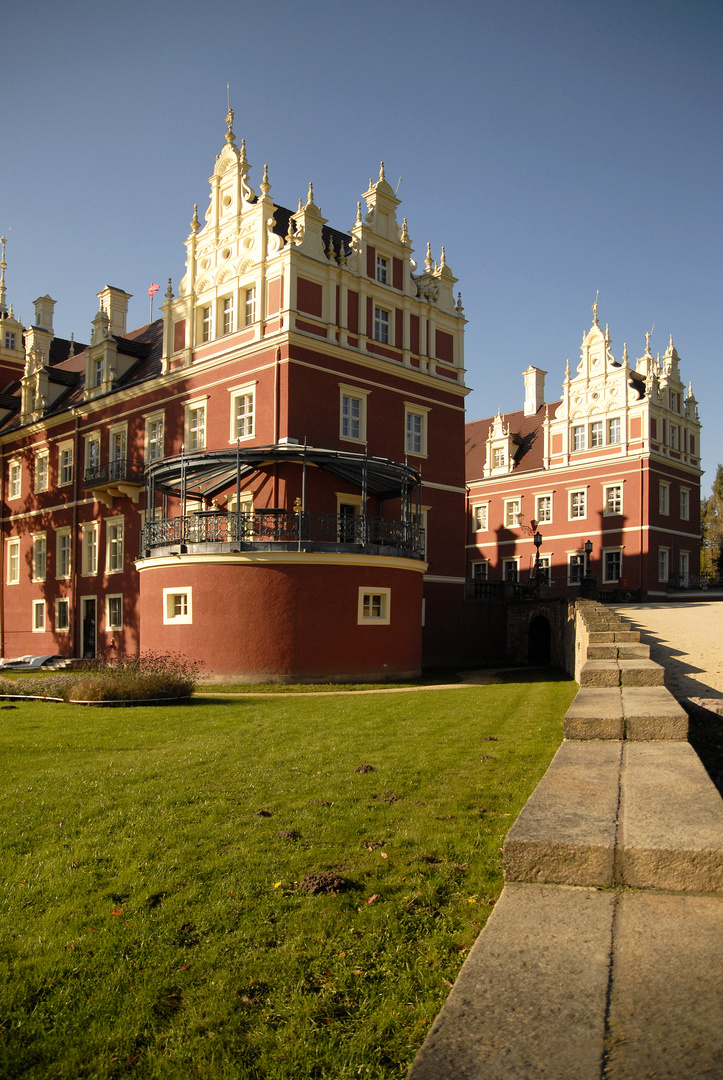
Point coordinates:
pixel 602 958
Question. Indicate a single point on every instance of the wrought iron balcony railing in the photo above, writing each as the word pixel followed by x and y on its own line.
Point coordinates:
pixel 248 530
pixel 118 471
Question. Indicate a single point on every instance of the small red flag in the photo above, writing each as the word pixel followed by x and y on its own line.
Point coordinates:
pixel 154 289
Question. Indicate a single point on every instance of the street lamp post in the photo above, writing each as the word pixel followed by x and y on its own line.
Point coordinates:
pixel 588 584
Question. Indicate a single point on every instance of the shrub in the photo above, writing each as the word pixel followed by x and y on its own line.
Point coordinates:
pixel 149 677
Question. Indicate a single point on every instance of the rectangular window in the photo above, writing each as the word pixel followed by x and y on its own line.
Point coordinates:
pixel 382 270
pixel 614 430
pixel 206 324
pixel 578 437
pixel 13 550
pixel 480 570
pixel 90 549
pixel 154 438
pixel 65 464
pixel 92 455
pixel 118 444
pixel 374 606
pixel 664 497
pixel 575 567
pixel 250 306
pixel 114 544
pixel 40 557
pixel 663 563
pixel 9 340
pixel 353 424
pixel 612 566
pixel 381 325
pixel 14 480
pixel 416 424
pixel 510 569
pixel 684 569
pixel 596 433
pixel 62 553
pixel 673 437
pixel 543 509
pixel 479 514
pixel 512 510
pixel 498 458
pixel 196 427
pixel 578 504
pixel 227 314
pixel 97 372
pixel 178 605
pixel 613 496
pixel 243 413
pixel 114 612
pixel 543 570
pixel 38 616
pixel 684 504
pixel 62 614
pixel 42 471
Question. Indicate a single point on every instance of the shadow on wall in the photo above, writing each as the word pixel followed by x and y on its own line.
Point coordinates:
pixel 539 641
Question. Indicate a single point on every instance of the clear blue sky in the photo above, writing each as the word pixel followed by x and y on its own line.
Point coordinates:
pixel 555 148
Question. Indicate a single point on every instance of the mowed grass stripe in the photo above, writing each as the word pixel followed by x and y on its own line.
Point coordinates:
pixel 151 920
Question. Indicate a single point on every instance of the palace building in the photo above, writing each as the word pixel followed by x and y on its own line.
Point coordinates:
pixel 269 478
pixel 614 465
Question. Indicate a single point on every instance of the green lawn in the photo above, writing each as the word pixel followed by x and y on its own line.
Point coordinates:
pixel 151 923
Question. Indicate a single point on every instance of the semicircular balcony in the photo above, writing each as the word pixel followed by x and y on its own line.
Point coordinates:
pixel 202 476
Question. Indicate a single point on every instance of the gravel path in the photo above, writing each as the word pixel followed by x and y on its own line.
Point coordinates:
pixel 687 639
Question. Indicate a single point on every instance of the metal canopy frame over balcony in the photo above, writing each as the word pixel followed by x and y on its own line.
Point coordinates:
pixel 202 475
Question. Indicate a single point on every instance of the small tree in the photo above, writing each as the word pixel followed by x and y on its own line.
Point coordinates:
pixel 711 521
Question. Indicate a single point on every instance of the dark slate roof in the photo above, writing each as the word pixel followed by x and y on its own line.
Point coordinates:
pixel 60 349
pixel 281 228
pixel 526 432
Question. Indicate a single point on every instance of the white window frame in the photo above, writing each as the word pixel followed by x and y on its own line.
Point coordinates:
pixel 481 516
pixel 227 311
pixel 513 562
pixel 579 441
pixel 42 470
pixel 15 479
pixel 684 568
pixel 382 269
pixel 412 437
pixel 513 508
pixel 606 552
pixel 607 510
pixel 9 339
pixel 663 564
pixel 374 606
pixel 109 624
pixel 118 442
pixel 382 325
pixel 198 406
pixel 92 439
pixel 673 436
pixel 38 616
pixel 499 458
pixel 65 464
pixel 170 606
pixel 13 561
pixel 153 441
pixel 597 434
pixel 206 320
pixel 685 504
pixel 61 557
pixel 538 516
pixel 355 394
pixel 40 556
pixel 89 547
pixel 619 431
pixel 579 494
pixel 247 393
pixel 114 545
pixel 664 498
pixel 62 603
pixel 250 305
pixel 481 570
pixel 576 560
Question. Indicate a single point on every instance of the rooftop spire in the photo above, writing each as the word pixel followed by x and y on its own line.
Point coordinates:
pixel 230 137
pixel 594 308
pixel 3 264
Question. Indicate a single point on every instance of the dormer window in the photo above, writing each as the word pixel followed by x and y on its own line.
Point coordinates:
pixel 498 458
pixel 97 373
pixel 382 270
pixel 9 340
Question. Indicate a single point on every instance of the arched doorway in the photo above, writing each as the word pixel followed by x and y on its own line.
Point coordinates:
pixel 538 644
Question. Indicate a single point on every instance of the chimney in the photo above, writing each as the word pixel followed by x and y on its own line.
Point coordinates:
pixel 114 303
pixel 44 313
pixel 534 389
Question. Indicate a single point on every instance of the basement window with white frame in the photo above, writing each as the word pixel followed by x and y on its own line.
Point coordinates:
pixel 374 606
pixel 178 605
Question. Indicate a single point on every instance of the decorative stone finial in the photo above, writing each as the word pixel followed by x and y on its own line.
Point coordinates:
pixel 71 350
pixel 195 223
pixel 358 214
pixel 647 343
pixel 265 185
pixel 460 309
pixel 169 291
pixel 330 252
pixel 428 261
pixel 381 171
pixel 443 258
pixel 405 233
pixel 594 309
pixel 310 196
pixel 625 352
pixel 230 137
